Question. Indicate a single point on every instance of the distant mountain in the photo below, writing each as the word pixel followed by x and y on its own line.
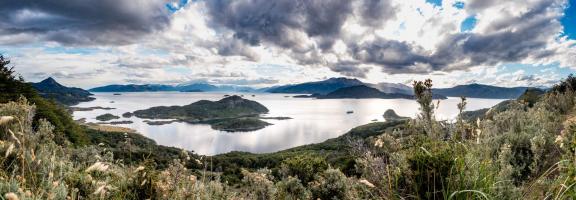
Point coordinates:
pixel 393 88
pixel 133 88
pixel 195 86
pixel 481 91
pixel 320 87
pixel 362 92
pixel 182 88
pixel 49 88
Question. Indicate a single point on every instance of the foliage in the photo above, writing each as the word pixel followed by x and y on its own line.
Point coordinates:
pixel 519 149
pixel 13 87
pixel 304 167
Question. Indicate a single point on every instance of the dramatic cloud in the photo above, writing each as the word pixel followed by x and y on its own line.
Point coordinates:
pixel 278 41
pixel 82 21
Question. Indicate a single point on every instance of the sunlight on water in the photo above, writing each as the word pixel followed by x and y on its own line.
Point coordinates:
pixel 313 120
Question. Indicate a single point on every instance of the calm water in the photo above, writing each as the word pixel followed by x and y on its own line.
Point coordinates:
pixel 313 120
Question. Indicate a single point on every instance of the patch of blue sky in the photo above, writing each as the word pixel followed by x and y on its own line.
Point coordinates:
pixel 149 51
pixel 569 20
pixel 178 69
pixel 275 69
pixel 402 26
pixel 468 24
pixel 175 6
pixel 538 70
pixel 459 5
pixel 70 50
pixel 437 3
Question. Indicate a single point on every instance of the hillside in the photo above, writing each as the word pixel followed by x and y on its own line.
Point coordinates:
pixel 319 87
pixel 362 92
pixel 50 89
pixel 365 92
pixel 392 88
pixel 13 88
pixel 481 91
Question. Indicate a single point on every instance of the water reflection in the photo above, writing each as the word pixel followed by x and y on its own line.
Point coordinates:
pixel 313 120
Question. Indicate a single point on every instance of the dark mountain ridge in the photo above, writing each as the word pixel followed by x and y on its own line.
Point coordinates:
pixel 51 89
pixel 481 91
pixel 319 87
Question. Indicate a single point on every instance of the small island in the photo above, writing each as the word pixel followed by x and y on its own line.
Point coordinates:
pixel 232 113
pixel 240 124
pixel 390 115
pixel 116 122
pixel 158 123
pixel 90 108
pixel 127 115
pixel 107 117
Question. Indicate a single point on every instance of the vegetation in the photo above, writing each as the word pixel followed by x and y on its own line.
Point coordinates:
pixel 13 87
pixel 514 151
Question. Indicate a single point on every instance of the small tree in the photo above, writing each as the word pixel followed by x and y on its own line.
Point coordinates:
pixel 461 107
pixel 423 93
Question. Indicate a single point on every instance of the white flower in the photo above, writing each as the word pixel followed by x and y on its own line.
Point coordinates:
pixel 98 166
pixel 366 182
pixel 5 119
pixel 9 150
pixel 140 168
pixel 559 140
pixel 11 196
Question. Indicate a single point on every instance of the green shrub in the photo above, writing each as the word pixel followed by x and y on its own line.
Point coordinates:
pixel 304 167
pixel 291 188
pixel 332 184
pixel 431 166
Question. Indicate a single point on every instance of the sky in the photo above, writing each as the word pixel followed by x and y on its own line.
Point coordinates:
pixel 260 43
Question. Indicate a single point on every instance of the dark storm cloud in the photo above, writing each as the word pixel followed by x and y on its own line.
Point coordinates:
pixel 258 21
pixel 372 11
pixel 350 69
pixel 263 22
pixel 393 56
pixel 83 21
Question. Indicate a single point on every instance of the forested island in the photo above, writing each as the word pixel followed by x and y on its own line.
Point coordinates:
pixel 232 113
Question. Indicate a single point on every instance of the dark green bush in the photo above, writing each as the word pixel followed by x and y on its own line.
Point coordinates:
pixel 304 167
pixel 430 169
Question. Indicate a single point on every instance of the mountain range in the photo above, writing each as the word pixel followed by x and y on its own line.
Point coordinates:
pixel 317 87
pixel 180 88
pixel 362 92
pixel 481 91
pixel 51 89
pixel 324 87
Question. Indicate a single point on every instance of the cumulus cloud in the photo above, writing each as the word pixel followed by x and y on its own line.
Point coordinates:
pixel 83 21
pixel 351 38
